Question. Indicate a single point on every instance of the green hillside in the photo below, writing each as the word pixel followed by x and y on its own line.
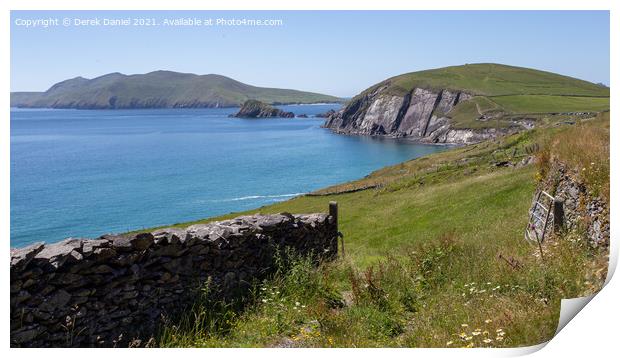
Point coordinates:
pixel 505 93
pixel 428 245
pixel 159 89
pixel 551 104
pixel 488 79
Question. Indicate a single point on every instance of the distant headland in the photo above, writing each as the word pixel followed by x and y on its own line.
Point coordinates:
pixel 160 89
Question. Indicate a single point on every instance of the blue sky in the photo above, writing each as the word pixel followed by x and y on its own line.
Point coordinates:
pixel 339 53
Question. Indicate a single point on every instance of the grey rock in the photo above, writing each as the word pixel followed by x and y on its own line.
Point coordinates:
pixel 68 279
pixel 272 221
pixel 128 259
pixel 197 234
pixel 77 301
pixel 581 208
pixel 327 114
pixel 57 254
pixel 182 265
pixel 420 115
pixel 102 254
pixel 20 258
pixel 142 241
pixel 57 300
pixel 121 243
pixel 168 236
pixel 257 109
pixel 169 250
pixel 82 292
pixel 89 246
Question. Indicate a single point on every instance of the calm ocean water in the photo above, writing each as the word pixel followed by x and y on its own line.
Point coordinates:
pixel 84 173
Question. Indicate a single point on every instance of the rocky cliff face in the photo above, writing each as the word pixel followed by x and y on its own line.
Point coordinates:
pixel 420 115
pixel 257 109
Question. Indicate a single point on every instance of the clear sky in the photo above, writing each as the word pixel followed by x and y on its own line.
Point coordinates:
pixel 332 52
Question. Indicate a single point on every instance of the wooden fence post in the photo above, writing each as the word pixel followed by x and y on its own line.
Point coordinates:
pixel 333 212
pixel 558 215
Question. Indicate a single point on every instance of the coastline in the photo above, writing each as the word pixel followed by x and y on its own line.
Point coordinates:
pixel 355 156
pixel 276 104
pixel 405 140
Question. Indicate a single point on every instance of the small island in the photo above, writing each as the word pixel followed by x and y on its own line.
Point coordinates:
pixel 256 109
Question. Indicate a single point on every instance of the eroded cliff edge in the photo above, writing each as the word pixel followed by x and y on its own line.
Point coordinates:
pixel 467 104
pixel 421 115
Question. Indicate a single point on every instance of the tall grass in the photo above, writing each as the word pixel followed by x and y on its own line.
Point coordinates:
pixel 585 149
pixel 442 293
pixel 435 258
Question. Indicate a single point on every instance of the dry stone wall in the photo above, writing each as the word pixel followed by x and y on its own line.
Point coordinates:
pixel 583 211
pixel 116 290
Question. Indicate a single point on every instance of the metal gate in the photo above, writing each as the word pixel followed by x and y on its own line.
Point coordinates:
pixel 540 217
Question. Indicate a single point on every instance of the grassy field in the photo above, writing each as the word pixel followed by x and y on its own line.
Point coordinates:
pixel 499 111
pixel 548 104
pixel 489 79
pixel 467 114
pixel 435 257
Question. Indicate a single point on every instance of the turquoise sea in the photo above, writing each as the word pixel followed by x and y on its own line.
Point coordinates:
pixel 83 173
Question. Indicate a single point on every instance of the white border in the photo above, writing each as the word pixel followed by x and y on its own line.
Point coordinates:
pixel 592 332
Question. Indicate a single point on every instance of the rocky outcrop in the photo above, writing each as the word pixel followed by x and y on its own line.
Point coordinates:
pixel 257 109
pixel 116 290
pixel 448 135
pixel 420 115
pixel 327 114
pixel 583 212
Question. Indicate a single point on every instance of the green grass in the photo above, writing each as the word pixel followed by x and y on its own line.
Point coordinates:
pixel 422 260
pixel 494 79
pixel 550 104
pixel 500 110
pixel 583 148
pixel 467 114
pixel 485 105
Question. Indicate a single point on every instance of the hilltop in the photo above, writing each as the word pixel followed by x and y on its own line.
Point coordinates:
pixel 159 89
pixel 492 79
pixel 467 104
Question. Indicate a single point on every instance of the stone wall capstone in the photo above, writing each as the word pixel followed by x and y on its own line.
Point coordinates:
pixel 116 289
